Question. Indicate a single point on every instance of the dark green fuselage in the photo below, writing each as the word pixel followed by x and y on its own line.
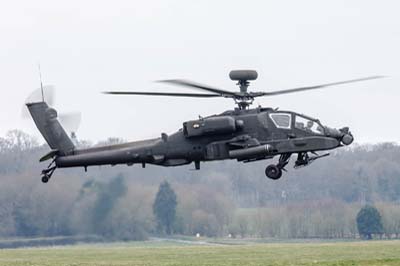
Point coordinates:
pixel 245 135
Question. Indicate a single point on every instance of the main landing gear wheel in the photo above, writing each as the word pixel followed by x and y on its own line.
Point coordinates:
pixel 274 172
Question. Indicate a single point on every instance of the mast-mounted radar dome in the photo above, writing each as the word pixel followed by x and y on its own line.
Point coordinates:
pixel 243 75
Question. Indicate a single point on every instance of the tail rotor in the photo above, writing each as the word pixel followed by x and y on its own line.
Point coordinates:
pixel 70 120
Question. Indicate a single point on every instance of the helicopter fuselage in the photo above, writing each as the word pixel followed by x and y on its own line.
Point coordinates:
pixel 245 135
pixel 242 134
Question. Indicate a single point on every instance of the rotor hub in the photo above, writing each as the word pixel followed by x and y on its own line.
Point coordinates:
pixel 242 77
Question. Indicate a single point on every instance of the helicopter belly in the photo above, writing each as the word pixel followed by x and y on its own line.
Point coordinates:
pixel 175 162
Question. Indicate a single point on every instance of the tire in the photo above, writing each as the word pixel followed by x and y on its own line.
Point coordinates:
pixel 272 171
pixel 45 179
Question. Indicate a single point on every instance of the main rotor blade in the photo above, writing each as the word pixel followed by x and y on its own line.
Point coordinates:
pixel 191 84
pixel 174 94
pixel 317 86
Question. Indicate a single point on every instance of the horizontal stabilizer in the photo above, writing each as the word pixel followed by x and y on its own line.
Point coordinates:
pixel 49 155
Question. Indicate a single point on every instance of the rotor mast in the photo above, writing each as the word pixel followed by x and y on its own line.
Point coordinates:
pixel 243 99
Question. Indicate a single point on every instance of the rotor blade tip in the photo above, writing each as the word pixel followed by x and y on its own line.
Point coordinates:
pixel 376 77
pixel 168 80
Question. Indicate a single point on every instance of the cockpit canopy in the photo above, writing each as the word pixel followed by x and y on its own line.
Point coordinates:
pixel 288 120
pixel 282 120
pixel 308 124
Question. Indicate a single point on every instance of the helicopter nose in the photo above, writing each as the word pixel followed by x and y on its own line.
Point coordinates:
pixel 347 139
pixel 343 134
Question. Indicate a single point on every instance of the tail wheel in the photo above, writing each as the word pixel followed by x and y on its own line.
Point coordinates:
pixel 45 179
pixel 272 171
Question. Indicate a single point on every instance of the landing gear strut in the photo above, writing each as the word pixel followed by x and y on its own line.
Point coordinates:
pixel 275 171
pixel 303 159
pixel 48 172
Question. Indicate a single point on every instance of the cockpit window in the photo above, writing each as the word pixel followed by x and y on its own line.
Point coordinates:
pixel 308 125
pixel 281 120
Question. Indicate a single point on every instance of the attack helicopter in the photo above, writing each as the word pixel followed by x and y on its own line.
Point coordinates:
pixel 244 134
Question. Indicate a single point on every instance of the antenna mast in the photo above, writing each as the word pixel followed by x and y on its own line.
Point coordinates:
pixel 41 83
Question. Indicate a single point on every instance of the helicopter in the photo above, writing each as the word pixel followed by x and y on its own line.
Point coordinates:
pixel 244 134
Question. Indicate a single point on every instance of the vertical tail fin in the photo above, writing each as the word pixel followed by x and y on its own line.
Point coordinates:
pixel 46 121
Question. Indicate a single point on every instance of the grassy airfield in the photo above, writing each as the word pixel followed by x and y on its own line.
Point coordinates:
pixel 185 253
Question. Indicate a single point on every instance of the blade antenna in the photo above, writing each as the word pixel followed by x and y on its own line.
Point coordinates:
pixel 41 83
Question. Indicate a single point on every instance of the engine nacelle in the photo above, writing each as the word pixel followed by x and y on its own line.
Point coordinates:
pixel 211 126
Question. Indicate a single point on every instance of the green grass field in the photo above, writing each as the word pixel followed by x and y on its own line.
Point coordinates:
pixel 166 253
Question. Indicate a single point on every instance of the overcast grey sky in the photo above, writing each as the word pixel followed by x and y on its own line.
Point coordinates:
pixel 85 47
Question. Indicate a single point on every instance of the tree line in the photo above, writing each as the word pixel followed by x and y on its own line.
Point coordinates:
pixel 224 198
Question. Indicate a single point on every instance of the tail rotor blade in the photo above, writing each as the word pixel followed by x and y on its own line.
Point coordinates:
pixel 36 96
pixel 70 121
